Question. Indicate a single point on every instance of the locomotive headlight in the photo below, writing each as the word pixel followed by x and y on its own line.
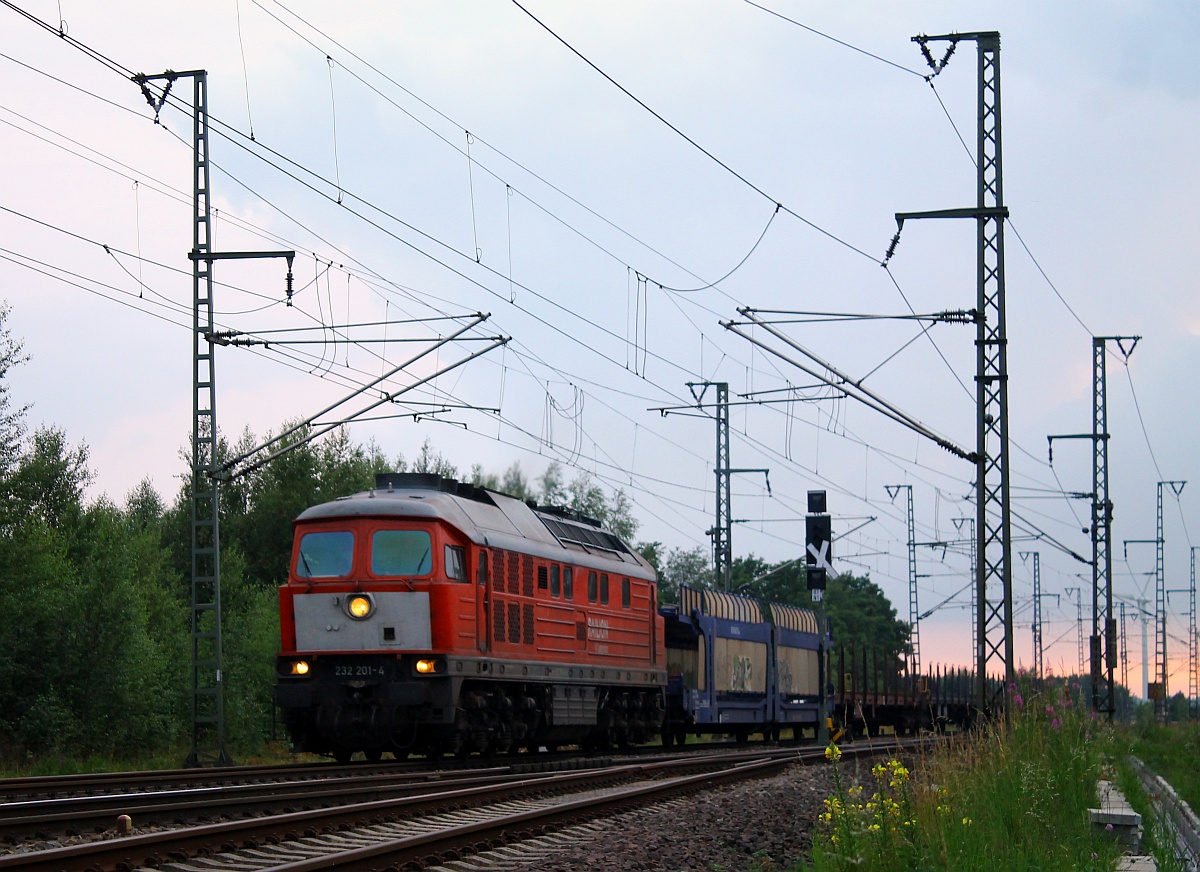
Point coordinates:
pixel 299 667
pixel 360 606
pixel 427 667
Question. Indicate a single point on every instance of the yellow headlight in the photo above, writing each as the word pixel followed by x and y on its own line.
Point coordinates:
pixel 359 606
pixel 426 667
pixel 300 667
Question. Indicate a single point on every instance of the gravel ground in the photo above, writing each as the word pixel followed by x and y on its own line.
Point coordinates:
pixel 765 822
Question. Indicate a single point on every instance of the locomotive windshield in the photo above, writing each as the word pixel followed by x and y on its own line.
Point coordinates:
pixel 325 555
pixel 401 552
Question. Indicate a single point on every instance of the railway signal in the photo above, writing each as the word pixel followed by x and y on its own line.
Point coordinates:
pixel 818 544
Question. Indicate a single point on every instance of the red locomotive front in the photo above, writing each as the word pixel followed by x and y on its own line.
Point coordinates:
pixel 435 617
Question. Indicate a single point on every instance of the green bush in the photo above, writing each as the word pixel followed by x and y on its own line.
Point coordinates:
pixel 1011 797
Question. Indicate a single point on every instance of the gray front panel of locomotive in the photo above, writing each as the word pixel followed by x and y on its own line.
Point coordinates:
pixel 400 621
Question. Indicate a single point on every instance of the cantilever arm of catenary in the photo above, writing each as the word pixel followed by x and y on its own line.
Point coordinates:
pixel 843 382
pixel 232 468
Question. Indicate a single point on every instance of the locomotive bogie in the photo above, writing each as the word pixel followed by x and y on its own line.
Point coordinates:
pixel 376 704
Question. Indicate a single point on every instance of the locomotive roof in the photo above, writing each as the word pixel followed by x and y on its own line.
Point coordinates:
pixel 487 518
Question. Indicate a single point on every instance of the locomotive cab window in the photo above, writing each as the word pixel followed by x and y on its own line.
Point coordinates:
pixel 327 554
pixel 483 567
pixel 603 588
pixel 555 583
pixel 568 583
pixel 591 587
pixel 456 563
pixel 401 552
pixel 624 593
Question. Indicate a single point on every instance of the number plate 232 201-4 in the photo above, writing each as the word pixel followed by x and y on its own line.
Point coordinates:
pixel 359 670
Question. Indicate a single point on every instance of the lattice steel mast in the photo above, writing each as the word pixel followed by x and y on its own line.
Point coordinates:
pixel 1158 691
pixel 1124 652
pixel 1038 652
pixel 207 704
pixel 1160 605
pixel 974 544
pixel 1103 640
pixel 914 613
pixel 1077 593
pixel 722 530
pixel 1103 647
pixel 1193 642
pixel 994 645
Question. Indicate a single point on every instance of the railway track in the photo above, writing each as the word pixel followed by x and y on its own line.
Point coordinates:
pixel 424 823
pixel 48 787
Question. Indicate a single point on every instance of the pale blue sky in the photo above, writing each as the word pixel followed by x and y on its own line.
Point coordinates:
pixel 1100 119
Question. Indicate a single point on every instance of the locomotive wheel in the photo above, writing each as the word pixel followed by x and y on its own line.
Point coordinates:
pixel 373 756
pixel 342 755
pixel 680 736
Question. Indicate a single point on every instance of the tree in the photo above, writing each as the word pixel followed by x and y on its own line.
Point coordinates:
pixel 12 420
pixel 144 508
pixel 49 479
pixel 513 482
pixel 432 461
pixel 554 492
pixel 652 552
pixel 863 617
pixel 691 567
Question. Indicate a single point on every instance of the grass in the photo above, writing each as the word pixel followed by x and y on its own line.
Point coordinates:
pixel 47 765
pixel 1007 797
pixel 1155 839
pixel 1172 751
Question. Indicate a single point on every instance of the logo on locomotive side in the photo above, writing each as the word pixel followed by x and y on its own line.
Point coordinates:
pixel 597 629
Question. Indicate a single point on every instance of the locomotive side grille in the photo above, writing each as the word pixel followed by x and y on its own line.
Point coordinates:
pixel 526 575
pixel 527 623
pixel 514 572
pixel 514 623
pixel 498 623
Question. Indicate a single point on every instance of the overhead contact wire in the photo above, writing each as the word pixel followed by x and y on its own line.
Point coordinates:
pixel 693 142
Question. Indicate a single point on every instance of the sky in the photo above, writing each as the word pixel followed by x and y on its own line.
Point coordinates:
pixel 609 182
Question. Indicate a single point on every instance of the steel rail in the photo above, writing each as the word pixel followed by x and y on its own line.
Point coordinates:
pixel 151 849
pixel 42 817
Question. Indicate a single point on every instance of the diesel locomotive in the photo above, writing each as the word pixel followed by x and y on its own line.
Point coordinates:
pixel 434 617
pixel 431 616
